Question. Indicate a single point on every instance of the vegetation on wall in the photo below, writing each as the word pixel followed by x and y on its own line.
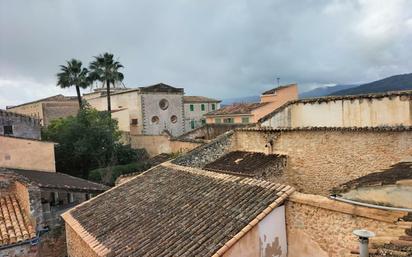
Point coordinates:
pixel 88 141
pixel 109 175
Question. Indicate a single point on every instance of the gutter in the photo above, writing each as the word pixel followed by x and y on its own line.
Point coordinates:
pixel 33 241
pixel 338 198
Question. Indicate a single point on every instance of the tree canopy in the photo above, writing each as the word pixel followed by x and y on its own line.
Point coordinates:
pixel 87 141
pixel 73 75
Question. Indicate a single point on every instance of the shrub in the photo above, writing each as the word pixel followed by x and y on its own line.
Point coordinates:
pixel 109 175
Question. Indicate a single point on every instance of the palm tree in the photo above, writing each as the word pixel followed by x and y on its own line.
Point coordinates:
pixel 73 75
pixel 106 70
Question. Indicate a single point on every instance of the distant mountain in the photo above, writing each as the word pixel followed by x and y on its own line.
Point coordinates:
pixel 245 99
pixel 393 83
pixel 324 91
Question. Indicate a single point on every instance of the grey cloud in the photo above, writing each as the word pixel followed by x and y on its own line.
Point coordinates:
pixel 216 48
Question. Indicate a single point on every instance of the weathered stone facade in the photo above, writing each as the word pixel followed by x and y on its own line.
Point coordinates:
pixel 317 226
pixel 18 125
pixel 204 154
pixel 336 154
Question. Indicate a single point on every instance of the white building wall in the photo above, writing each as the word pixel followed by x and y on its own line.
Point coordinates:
pixel 197 114
pixel 388 111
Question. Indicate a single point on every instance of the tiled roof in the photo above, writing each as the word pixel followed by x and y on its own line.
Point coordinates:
pixel 161 87
pixel 272 91
pixel 242 108
pixel 55 98
pixel 172 210
pixel 199 99
pixel 326 99
pixel 379 128
pixel 55 180
pixel 243 163
pixel 390 176
pixel 15 226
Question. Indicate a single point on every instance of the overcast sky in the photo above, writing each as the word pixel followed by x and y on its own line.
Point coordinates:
pixel 217 48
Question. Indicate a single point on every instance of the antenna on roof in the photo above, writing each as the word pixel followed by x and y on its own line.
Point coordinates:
pixel 278 79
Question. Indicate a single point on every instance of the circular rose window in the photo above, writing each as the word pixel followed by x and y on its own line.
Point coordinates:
pixel 173 119
pixel 163 104
pixel 155 120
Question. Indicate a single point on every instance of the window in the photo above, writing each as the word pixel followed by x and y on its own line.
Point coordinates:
pixel 133 122
pixel 245 120
pixel 54 198
pixel 192 124
pixel 70 197
pixel 203 121
pixel 88 196
pixel 8 130
pixel 202 107
pixel 173 119
pixel 218 120
pixel 163 104
pixel 192 107
pixel 155 120
pixel 213 107
pixel 228 120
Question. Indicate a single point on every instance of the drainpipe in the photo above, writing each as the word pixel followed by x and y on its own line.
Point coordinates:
pixel 335 197
pixel 364 236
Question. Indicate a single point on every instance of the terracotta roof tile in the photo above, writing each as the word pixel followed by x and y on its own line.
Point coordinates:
pixel 15 226
pixel 199 99
pixel 172 210
pixel 240 108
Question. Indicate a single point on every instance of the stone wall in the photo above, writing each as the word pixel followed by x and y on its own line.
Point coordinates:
pixel 389 109
pixel 22 125
pixel 76 246
pixel 339 155
pixel 55 110
pixel 321 227
pixel 27 154
pixel 210 131
pixel 204 154
pixel 157 144
pixel 24 250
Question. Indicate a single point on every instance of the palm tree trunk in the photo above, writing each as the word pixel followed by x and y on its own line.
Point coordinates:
pixel 79 97
pixel 109 107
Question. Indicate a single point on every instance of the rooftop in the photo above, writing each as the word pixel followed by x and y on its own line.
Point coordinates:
pixel 394 174
pixel 172 210
pixel 241 108
pixel 15 225
pixel 55 98
pixel 55 180
pixel 243 163
pixel 337 98
pixel 199 99
pixel 272 91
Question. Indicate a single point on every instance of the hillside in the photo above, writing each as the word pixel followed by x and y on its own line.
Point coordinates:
pixel 393 83
pixel 324 91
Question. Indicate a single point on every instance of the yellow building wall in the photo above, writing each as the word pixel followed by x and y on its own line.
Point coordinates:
pixel 26 154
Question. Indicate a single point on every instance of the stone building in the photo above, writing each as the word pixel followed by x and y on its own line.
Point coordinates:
pixel 19 125
pixel 195 107
pixel 172 210
pixel 251 112
pixel 320 162
pixel 48 109
pixel 144 110
pixel 33 227
pixel 371 110
pixel 32 197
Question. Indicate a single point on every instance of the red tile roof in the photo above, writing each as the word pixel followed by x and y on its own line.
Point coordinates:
pixel 242 108
pixel 15 225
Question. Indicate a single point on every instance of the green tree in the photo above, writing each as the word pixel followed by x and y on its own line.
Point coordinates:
pixel 106 70
pixel 87 141
pixel 73 75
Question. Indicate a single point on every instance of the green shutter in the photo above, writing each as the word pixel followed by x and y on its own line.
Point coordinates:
pixel 192 124
pixel 245 120
pixel 213 107
pixel 192 107
pixel 202 106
